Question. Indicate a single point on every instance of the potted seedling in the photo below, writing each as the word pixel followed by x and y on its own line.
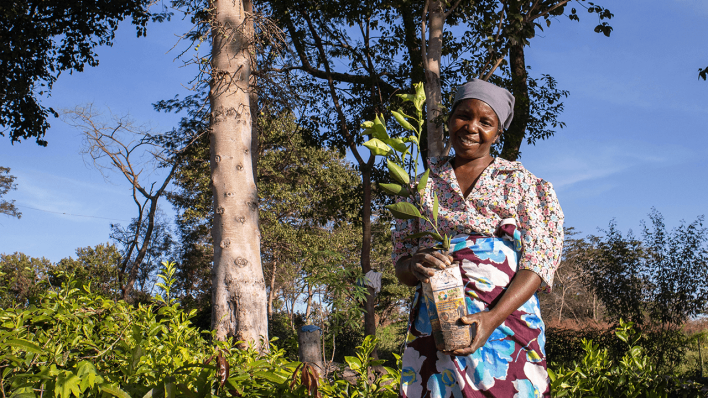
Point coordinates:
pixel 444 293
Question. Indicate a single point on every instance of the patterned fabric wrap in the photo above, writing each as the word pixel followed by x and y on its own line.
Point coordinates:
pixel 513 361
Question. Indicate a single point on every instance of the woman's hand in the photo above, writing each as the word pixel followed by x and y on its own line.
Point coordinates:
pixel 522 287
pixel 420 267
pixel 485 322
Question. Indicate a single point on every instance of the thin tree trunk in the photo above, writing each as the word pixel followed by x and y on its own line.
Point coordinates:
pixel 514 136
pixel 308 309
pixel 271 292
pixel 370 315
pixel 433 56
pixel 239 303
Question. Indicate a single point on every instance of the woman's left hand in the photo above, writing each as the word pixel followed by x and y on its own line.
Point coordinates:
pixel 522 287
pixel 485 323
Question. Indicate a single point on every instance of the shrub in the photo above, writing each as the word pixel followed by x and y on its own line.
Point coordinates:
pixel 633 376
pixel 75 342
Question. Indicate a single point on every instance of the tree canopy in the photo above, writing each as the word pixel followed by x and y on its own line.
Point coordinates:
pixel 42 39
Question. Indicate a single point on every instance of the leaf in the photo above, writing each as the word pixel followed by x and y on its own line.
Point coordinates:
pixel 435 207
pixel 377 147
pixel 397 173
pixel 402 121
pixel 423 181
pixel 397 144
pixel 403 210
pixel 395 189
pixel 353 362
pixel 137 353
pixel 380 130
pixel 368 124
pixel 25 345
pixel 272 377
pixel 113 390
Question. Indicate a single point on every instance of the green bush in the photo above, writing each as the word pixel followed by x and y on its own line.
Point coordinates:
pixel 634 375
pixel 75 342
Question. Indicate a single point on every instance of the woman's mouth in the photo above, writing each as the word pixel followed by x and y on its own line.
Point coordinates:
pixel 467 140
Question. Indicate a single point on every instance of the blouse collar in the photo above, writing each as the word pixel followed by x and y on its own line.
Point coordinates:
pixel 441 165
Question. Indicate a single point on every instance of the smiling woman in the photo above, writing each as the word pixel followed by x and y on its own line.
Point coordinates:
pixel 508 229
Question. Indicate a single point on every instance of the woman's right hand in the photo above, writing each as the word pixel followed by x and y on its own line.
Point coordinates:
pixel 422 264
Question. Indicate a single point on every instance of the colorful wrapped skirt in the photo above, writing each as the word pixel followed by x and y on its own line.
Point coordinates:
pixel 513 361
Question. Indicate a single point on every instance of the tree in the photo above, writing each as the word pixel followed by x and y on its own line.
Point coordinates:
pixel 159 249
pixel 617 275
pixel 20 277
pixel 571 297
pixel 40 40
pixel 7 183
pixel 97 267
pixel 130 149
pixel 677 263
pixel 239 293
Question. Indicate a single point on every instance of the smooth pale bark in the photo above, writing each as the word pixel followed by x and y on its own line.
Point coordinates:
pixel 433 55
pixel 239 292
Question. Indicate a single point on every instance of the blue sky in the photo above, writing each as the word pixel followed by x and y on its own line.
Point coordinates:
pixel 635 137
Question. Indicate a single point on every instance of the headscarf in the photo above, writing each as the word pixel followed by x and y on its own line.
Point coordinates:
pixel 499 99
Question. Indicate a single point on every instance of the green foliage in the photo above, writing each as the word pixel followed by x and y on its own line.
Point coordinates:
pixel 635 375
pixel 369 384
pixel 7 184
pixel 42 39
pixel 396 153
pixel 75 342
pixel 20 277
pixel 97 266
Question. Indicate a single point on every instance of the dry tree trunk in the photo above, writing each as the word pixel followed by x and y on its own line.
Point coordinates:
pixel 238 294
pixel 432 58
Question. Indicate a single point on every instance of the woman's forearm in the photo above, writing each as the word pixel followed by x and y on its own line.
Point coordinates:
pixel 519 291
pixel 522 287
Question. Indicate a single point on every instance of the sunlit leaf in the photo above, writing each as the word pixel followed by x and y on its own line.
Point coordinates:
pixel 377 147
pixel 402 121
pixel 403 210
pixel 395 189
pixel 397 173
pixel 423 181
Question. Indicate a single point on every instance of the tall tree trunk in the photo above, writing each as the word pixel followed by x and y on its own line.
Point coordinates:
pixel 514 136
pixel 238 288
pixel 433 56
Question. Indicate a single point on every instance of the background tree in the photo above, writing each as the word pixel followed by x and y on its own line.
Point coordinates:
pixel 20 275
pixel 572 296
pixel 159 249
pixel 7 183
pixel 131 150
pixel 41 40
pixel 617 275
pixel 96 266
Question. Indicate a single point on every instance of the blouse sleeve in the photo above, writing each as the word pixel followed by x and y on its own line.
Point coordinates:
pixel 401 245
pixel 541 224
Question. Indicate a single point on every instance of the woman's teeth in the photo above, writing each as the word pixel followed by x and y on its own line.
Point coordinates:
pixel 467 141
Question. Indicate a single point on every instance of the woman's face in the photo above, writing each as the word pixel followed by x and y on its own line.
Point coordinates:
pixel 473 129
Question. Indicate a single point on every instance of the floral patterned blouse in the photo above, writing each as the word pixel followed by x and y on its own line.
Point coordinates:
pixel 504 190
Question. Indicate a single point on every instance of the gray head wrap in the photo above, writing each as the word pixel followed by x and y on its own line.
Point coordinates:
pixel 501 100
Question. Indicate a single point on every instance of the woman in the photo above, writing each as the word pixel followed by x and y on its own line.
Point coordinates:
pixel 508 230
